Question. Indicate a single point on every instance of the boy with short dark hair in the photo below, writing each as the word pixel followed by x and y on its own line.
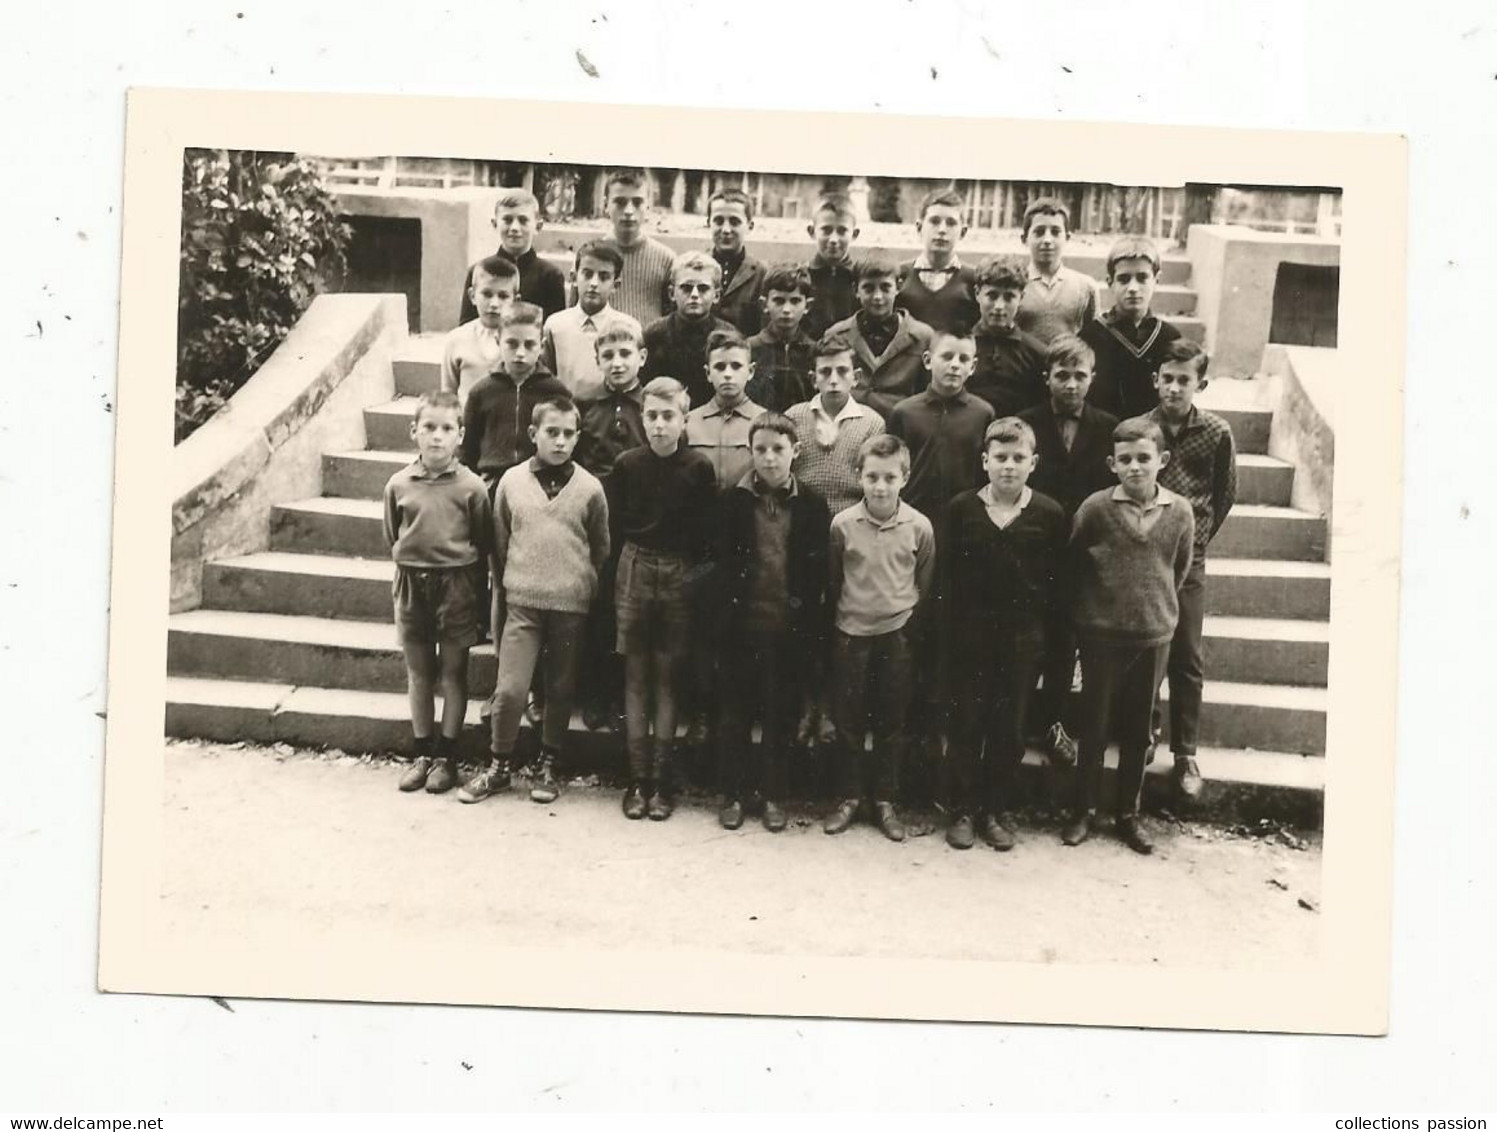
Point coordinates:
pixel 496 417
pixel 665 494
pixel 643 288
pixel 936 287
pixel 550 542
pixel 1129 340
pixel 783 353
pixel 1057 299
pixel 833 271
pixel 720 429
pixel 1073 444
pixel 889 344
pixel 1010 370
pixel 676 345
pixel 1130 550
pixel 833 425
pixel 517 216
pixel 471 350
pixel 1202 468
pixel 772 570
pixel 437 522
pixel 1003 549
pixel 881 567
pixel 569 338
pixel 730 218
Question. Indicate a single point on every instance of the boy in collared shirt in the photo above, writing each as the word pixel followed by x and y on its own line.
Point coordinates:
pixel 570 337
pixel 783 353
pixel 1010 370
pixel 1130 551
pixel 643 290
pixel 676 345
pixel 720 429
pixel 1129 340
pixel 833 426
pixel 889 344
pixel 772 563
pixel 1202 468
pixel 437 522
pixel 730 218
pixel 833 271
pixel 517 218
pixel 881 567
pixel 471 350
pixel 1057 299
pixel 935 286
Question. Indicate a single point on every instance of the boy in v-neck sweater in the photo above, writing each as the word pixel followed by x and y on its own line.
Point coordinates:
pixel 550 542
pixel 936 287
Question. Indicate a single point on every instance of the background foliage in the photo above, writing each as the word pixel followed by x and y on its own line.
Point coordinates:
pixel 260 239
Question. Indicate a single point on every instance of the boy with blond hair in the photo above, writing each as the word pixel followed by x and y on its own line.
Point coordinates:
pixel 832 269
pixel 676 345
pixel 936 287
pixel 517 217
pixel 471 351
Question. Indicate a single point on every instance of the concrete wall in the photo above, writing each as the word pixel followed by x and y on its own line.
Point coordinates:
pixel 1233 271
pixel 456 230
pixel 265 446
pixel 1302 388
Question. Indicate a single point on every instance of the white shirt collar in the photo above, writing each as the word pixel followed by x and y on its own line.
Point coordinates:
pixel 922 263
pixel 850 411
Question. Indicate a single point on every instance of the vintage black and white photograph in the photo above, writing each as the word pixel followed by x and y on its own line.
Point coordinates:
pixel 830 566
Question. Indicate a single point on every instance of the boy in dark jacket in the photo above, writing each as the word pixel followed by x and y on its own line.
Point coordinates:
pixel 772 573
pixel 888 344
pixel 496 417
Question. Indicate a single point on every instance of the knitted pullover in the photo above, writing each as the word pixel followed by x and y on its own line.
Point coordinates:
pixel 832 472
pixel 1129 564
pixel 645 283
pixel 436 520
pixel 549 551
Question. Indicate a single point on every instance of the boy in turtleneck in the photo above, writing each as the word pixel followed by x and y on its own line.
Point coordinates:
pixel 676 345
pixel 730 217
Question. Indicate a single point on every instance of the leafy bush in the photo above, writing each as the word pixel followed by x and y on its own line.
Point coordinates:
pixel 260 239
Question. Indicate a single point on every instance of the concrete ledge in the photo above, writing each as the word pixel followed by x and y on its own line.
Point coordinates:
pixel 1302 381
pixel 266 444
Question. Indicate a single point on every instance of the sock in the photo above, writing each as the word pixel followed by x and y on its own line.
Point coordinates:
pixel 446 747
pixel 424 746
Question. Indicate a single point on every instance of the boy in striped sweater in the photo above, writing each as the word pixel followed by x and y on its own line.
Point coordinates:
pixel 550 542
pixel 643 288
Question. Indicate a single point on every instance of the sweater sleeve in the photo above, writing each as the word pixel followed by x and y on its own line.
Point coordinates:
pixel 598 541
pixel 451 367
pixel 1185 548
pixel 1223 482
pixel 481 522
pixel 925 564
pixel 548 348
pixel 473 425
pixel 392 515
pixel 502 520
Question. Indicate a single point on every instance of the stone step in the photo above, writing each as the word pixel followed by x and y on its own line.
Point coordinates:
pixel 1264 480
pixel 1263 587
pixel 418 367
pixel 1256 531
pixel 353 527
pixel 1240 784
pixel 1274 717
pixel 1262 650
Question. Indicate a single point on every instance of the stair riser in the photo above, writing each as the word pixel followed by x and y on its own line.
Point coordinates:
pixel 602 753
pixel 1262 728
pixel 1266 486
pixel 345 477
pixel 1243 660
pixel 1299 599
pixel 1192 329
pixel 414 377
pixel 301 595
pixel 303 663
pixel 1250 428
pixel 1256 536
pixel 389 431
pixel 314 533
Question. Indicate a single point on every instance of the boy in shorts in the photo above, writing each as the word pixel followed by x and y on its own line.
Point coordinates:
pixel 730 218
pixel 517 217
pixel 550 542
pixel 1130 552
pixel 936 287
pixel 833 271
pixel 1057 299
pixel 643 289
pixel 889 344
pixel 437 522
pixel 569 338
pixel 783 353
pixel 1010 370
pixel 676 345
pixel 471 351
pixel 665 494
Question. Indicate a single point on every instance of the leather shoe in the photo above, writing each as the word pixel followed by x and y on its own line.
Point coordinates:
pixel 996 834
pixel 634 802
pixel 731 814
pixel 840 818
pixel 1188 779
pixel 888 821
pixel 1078 831
pixel 443 776
pixel 774 816
pixel 659 807
pixel 1131 833
pixel 959 834
pixel 415 777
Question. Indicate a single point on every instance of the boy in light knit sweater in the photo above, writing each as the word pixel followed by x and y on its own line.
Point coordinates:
pixel 550 542
pixel 1131 550
pixel 471 351
pixel 643 289
pixel 832 426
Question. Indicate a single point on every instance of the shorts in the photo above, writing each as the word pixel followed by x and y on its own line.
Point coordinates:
pixel 650 598
pixel 436 605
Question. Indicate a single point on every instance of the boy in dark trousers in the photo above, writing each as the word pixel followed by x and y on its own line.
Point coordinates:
pixel 550 541
pixel 517 217
pixel 665 495
pixel 437 522
pixel 1129 341
pixel 771 569
pixel 936 287
pixel 1003 549
pixel 1010 370
pixel 1073 443
pixel 1130 550
pixel 676 344
pixel 1203 468
pixel 783 353
pixel 888 344
pixel 833 271
pixel 730 218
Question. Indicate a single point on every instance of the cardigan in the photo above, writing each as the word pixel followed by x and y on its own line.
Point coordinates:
pixel 896 373
pixel 549 551
pixel 806 560
pixel 1068 477
pixel 541 283
pixel 1001 577
pixel 1127 359
pixel 944 435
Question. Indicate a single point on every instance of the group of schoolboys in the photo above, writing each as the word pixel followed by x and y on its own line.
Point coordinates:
pixel 852 491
